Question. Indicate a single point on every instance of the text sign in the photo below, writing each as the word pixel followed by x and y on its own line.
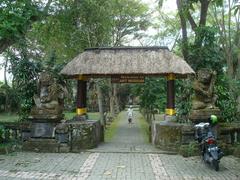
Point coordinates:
pixel 127 79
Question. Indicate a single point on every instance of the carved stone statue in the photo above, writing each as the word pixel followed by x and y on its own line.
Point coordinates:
pixel 203 87
pixel 203 104
pixel 49 101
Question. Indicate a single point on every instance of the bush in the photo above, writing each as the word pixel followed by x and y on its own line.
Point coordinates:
pixel 227 91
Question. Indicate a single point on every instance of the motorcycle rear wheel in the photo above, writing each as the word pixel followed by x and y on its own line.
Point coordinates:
pixel 215 164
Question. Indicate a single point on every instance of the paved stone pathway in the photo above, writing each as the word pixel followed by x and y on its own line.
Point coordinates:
pixel 128 138
pixel 126 157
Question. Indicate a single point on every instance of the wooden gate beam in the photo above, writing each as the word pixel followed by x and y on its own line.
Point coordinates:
pixel 81 96
pixel 170 110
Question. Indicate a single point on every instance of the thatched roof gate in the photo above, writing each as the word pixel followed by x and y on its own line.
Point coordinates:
pixel 146 61
pixel 126 62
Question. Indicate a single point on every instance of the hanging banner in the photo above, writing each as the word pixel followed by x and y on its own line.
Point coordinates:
pixel 127 79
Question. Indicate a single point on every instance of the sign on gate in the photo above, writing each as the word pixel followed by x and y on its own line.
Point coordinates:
pixel 127 79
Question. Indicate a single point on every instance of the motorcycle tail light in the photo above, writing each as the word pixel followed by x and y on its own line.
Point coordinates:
pixel 211 141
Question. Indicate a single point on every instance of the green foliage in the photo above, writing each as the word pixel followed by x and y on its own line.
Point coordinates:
pixel 76 26
pixel 88 23
pixel 8 98
pixel 2 97
pixel 129 17
pixel 2 134
pixel 152 94
pixel 184 92
pixel 205 51
pixel 227 98
pixel 124 91
pixel 25 73
pixel 16 17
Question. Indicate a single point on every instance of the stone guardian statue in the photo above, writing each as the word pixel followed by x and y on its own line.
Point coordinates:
pixel 49 100
pixel 203 104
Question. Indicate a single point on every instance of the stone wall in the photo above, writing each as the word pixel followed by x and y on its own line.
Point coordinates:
pixel 71 136
pixel 180 137
pixel 84 135
pixel 166 136
pixel 229 138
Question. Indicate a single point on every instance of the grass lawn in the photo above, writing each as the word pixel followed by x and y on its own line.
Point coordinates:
pixel 144 128
pixel 11 117
pixel 8 117
pixel 110 131
pixel 91 115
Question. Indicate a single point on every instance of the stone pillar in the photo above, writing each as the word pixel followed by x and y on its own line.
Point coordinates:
pixel 81 96
pixel 170 110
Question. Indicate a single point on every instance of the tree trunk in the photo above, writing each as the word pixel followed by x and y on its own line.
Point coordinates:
pixel 100 104
pixel 203 13
pixel 5 72
pixel 184 30
pixel 7 106
pixel 4 44
pixel 111 99
pixel 230 70
pixel 116 100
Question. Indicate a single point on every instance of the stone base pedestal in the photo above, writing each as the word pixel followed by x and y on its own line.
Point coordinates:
pixel 46 118
pixel 202 115
pixel 45 146
pixel 43 130
pixel 166 135
pixel 171 136
pixel 168 118
pixel 41 145
pixel 85 135
pixel 70 136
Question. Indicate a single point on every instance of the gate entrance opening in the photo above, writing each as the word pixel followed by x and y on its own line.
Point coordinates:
pixel 126 65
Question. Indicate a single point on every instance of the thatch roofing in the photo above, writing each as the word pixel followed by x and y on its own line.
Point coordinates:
pixel 127 61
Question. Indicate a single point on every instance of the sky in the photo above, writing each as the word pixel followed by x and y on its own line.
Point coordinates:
pixel 168 6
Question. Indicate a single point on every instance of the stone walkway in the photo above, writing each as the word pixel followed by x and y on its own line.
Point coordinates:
pixel 126 157
pixel 128 138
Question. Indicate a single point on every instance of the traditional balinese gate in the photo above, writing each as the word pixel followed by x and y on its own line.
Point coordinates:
pixel 126 64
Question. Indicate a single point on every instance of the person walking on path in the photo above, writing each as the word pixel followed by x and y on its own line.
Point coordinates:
pixel 130 114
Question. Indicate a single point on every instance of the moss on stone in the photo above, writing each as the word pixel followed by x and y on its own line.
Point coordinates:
pixel 192 149
pixel 236 151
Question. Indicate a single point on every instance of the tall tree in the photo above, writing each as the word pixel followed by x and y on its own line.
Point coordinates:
pixel 16 17
pixel 227 20
pixel 90 23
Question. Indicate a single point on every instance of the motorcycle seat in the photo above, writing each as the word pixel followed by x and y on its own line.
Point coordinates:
pixel 201 125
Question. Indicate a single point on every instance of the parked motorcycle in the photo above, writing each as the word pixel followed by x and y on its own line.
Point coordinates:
pixel 211 153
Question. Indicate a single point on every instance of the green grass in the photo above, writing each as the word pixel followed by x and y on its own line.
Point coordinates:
pixel 8 117
pixel 144 128
pixel 9 144
pixel 111 130
pixel 91 115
